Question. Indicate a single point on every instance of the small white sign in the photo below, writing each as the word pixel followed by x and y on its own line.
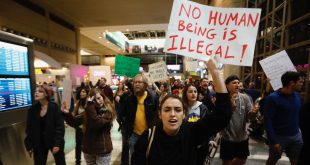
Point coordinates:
pixel 158 71
pixel 67 92
pixel 274 67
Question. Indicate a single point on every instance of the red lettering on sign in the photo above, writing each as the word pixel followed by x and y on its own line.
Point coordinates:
pixel 172 46
pixel 199 45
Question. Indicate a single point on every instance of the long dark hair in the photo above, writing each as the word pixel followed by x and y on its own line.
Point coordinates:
pixel 82 101
pixel 184 95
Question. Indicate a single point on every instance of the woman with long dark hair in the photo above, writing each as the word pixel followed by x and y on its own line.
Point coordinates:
pixel 77 114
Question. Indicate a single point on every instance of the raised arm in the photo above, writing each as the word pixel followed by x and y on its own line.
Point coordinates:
pixel 219 85
pixel 221 115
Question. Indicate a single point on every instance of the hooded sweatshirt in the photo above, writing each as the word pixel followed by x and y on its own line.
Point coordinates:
pixel 194 112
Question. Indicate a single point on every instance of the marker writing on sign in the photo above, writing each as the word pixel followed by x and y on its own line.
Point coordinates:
pixel 243 51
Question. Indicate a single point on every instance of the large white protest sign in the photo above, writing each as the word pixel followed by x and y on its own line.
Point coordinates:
pixel 201 32
pixel 67 91
pixel 158 71
pixel 274 66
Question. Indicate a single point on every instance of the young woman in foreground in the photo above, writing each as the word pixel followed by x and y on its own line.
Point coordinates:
pixel 175 141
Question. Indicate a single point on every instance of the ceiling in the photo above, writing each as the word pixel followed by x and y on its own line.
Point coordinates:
pixel 93 17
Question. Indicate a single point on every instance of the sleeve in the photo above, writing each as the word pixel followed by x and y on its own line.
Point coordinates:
pixel 28 140
pixel 249 103
pixel 123 104
pixel 304 121
pixel 94 119
pixel 248 107
pixel 218 120
pixel 110 94
pixel 74 121
pixel 59 127
pixel 139 154
pixel 207 101
pixel 269 112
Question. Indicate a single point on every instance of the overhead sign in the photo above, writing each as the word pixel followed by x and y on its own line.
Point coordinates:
pixel 274 67
pixel 201 32
pixel 126 66
pixel 158 71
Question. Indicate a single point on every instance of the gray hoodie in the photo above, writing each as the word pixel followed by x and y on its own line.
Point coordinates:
pixel 236 129
pixel 194 112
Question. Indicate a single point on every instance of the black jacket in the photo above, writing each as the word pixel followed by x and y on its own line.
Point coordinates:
pixel 128 104
pixel 305 130
pixel 54 128
pixel 182 148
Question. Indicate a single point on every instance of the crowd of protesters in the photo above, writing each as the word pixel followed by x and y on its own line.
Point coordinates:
pixel 171 122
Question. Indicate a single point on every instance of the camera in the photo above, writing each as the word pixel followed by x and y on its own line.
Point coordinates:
pixel 101 111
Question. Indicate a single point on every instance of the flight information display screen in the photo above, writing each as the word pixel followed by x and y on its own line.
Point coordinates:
pixel 13 59
pixel 14 93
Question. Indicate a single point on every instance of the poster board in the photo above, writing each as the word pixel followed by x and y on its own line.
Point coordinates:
pixel 201 32
pixel 126 66
pixel 158 71
pixel 96 72
pixel 274 67
pixel 67 92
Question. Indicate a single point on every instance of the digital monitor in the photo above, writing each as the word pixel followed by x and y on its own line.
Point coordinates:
pixel 13 59
pixel 14 93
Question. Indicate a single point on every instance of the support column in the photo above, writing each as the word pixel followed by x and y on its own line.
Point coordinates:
pixel 78 46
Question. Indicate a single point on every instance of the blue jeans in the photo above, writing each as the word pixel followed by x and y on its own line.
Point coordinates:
pixel 104 159
pixel 132 141
pixel 291 145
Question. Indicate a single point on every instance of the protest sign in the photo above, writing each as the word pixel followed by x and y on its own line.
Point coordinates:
pixel 97 72
pixel 158 71
pixel 201 32
pixel 126 66
pixel 274 67
pixel 67 92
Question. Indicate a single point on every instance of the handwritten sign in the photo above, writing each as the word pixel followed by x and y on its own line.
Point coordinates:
pixel 158 71
pixel 126 66
pixel 202 32
pixel 66 95
pixel 274 67
pixel 97 72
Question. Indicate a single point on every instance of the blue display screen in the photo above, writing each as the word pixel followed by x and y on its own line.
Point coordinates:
pixel 14 93
pixel 13 59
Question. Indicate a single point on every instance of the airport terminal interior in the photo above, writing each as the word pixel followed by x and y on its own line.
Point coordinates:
pixel 66 43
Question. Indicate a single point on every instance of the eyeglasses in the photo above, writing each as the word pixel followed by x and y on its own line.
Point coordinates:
pixel 138 82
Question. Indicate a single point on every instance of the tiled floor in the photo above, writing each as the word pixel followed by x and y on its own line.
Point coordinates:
pixel 258 150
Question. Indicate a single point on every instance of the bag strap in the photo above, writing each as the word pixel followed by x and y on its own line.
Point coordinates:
pixel 150 139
